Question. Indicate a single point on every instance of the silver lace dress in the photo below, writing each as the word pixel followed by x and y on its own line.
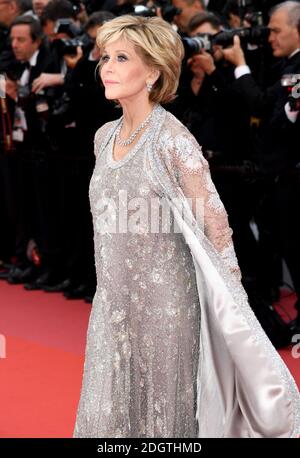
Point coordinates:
pixel 143 336
pixel 150 369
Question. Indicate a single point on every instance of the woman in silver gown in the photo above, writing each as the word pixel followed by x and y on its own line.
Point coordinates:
pixel 173 348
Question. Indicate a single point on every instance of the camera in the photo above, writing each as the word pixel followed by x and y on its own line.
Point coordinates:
pixel 66 26
pixel 168 11
pixel 196 44
pixel 257 35
pixel 68 46
pixel 26 99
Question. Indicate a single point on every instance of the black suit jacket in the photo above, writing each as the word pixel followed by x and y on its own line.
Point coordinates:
pixel 88 106
pixel 35 135
pixel 216 116
pixel 273 141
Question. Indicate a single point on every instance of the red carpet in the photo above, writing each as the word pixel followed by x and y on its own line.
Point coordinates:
pixel 40 378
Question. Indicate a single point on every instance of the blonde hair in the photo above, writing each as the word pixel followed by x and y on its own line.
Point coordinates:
pixel 158 45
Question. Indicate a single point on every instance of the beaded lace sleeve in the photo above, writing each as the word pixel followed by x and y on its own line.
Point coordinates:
pixel 185 162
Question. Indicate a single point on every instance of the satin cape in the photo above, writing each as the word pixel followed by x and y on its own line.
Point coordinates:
pixel 244 389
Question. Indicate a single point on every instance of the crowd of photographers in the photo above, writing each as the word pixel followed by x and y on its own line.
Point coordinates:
pixel 239 95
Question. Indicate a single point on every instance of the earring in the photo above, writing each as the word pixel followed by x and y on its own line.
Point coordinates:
pixel 149 87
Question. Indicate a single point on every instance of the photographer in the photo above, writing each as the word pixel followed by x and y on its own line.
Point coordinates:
pixel 87 104
pixel 35 193
pixel 216 115
pixel 9 10
pixel 88 109
pixel 59 23
pixel 274 140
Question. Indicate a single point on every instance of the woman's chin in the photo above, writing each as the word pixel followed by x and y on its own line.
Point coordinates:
pixel 111 95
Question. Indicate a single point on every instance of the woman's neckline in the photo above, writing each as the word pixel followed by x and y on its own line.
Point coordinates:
pixel 132 151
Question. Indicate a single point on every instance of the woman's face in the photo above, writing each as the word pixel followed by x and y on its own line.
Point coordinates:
pixel 123 72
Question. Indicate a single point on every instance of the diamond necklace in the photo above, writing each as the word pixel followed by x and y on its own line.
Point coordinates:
pixel 134 133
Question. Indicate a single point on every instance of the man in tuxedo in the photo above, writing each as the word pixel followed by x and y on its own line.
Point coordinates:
pixel 36 66
pixel 9 10
pixel 277 153
pixel 36 195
